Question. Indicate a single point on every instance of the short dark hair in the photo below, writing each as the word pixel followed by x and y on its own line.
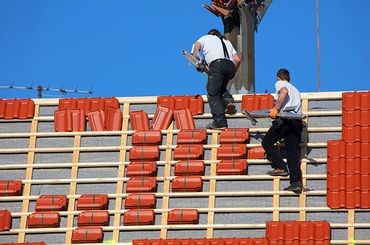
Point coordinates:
pixel 215 32
pixel 283 74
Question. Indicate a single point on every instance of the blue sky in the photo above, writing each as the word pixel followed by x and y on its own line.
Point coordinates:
pixel 123 48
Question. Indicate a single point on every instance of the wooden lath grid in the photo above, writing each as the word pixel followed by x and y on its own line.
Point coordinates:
pixel 275 210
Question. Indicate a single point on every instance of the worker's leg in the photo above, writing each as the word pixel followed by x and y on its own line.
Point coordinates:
pixel 272 151
pixel 214 90
pixel 229 73
pixel 292 140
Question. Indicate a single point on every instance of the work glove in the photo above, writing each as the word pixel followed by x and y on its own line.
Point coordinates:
pixel 273 113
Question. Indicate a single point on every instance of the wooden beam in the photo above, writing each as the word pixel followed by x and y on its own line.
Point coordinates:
pixel 72 188
pixel 29 171
pixel 304 150
pixel 212 186
pixel 166 184
pixel 121 170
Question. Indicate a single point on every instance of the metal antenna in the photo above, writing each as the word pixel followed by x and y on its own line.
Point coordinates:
pixel 318 46
pixel 40 89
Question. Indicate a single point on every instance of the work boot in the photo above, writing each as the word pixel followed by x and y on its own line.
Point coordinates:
pixel 296 187
pixel 212 125
pixel 278 172
pixel 230 109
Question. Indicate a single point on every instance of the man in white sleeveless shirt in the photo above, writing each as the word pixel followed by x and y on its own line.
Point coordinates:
pixel 288 99
pixel 223 61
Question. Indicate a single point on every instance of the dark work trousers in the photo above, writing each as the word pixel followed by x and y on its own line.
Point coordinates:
pixel 220 72
pixel 290 131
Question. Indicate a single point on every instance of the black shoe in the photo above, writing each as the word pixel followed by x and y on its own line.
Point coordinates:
pixel 278 172
pixel 230 109
pixel 214 126
pixel 296 187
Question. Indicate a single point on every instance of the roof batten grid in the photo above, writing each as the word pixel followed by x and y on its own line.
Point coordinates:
pixel 212 146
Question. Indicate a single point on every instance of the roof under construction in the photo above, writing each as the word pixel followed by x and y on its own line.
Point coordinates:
pixel 88 162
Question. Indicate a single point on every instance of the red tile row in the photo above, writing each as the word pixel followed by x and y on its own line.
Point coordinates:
pixel 10 188
pixel 140 201
pixel 5 220
pixel 138 217
pixel 93 218
pixel 43 220
pixel 356 134
pixel 342 149
pixel 348 182
pixel 348 166
pixel 356 101
pixel 253 102
pixel 189 168
pixel 87 235
pixel 16 109
pixel 141 169
pixel 108 120
pixel 256 153
pixel 184 119
pixel 355 118
pixel 183 217
pixel 69 120
pixel 48 203
pixel 187 184
pixel 187 152
pixel 203 241
pixel 194 103
pixel 232 167
pixel 153 137
pixel 92 202
pixel 302 231
pixel 141 184
pixel 192 136
pixel 348 199
pixel 139 120
pixel 162 119
pixel 88 104
pixel 144 153
pixel 232 151
pixel 234 136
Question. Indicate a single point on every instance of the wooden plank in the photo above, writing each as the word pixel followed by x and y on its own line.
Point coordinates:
pixel 304 150
pixel 72 189
pixel 188 194
pixel 237 97
pixel 121 171
pixel 129 132
pixel 351 227
pixel 119 148
pixel 212 185
pixel 276 200
pixel 166 184
pixel 29 171
pixel 176 227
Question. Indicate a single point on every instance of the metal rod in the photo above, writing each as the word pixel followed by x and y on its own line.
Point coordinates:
pixel 318 47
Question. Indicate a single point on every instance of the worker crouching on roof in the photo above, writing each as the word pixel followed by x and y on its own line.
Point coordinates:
pixel 223 61
pixel 288 99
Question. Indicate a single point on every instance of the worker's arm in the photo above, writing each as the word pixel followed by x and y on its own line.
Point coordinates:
pixel 282 95
pixel 197 47
pixel 236 59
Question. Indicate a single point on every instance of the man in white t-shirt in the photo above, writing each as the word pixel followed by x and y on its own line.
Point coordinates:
pixel 288 99
pixel 223 61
